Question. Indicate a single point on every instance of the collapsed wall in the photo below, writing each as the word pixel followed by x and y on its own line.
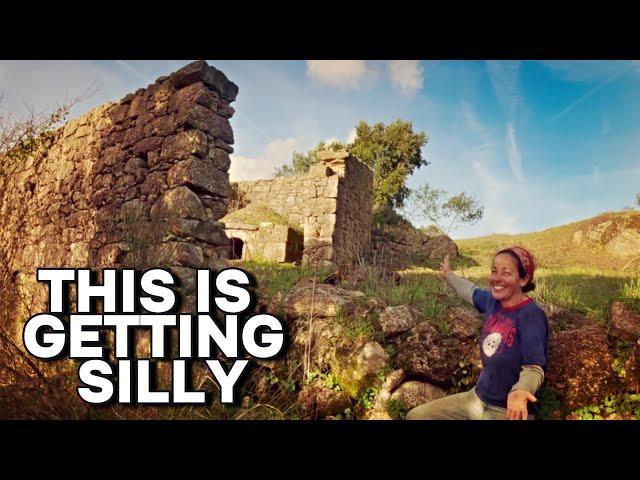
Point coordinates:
pixel 139 183
pixel 332 205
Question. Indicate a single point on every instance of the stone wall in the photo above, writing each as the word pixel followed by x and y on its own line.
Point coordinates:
pixel 354 215
pixel 265 242
pixel 332 204
pixel 139 183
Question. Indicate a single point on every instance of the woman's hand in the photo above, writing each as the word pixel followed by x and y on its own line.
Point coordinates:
pixel 517 404
pixel 445 267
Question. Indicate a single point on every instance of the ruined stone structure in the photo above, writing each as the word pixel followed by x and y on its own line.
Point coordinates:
pixel 331 206
pixel 139 183
pixel 258 233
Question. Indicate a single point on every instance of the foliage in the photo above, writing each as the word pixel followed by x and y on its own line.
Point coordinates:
pixel 302 162
pixel 446 212
pixel 386 215
pixel 623 351
pixel 397 409
pixel 368 397
pixel 347 415
pixel 287 384
pixel 357 326
pixel 626 405
pixel 328 379
pixel 393 151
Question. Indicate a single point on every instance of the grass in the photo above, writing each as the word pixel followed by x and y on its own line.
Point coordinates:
pixel 584 277
pixel 418 287
pixel 273 278
pixel 255 214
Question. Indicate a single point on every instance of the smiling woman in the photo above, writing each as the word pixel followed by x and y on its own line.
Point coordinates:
pixel 513 344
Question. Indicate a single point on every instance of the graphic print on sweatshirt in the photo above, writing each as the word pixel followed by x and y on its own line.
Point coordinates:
pixel 499 331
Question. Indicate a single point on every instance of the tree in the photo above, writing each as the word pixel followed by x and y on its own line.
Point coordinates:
pixel 393 151
pixel 638 198
pixel 444 211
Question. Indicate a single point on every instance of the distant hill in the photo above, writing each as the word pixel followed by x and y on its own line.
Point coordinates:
pixel 610 241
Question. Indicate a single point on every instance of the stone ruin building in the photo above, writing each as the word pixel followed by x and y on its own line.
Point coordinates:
pixel 322 217
pixel 139 183
pixel 144 183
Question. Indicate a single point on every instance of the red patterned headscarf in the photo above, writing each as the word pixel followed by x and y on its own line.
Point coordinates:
pixel 526 258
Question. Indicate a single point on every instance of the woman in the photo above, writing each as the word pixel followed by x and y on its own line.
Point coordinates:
pixel 513 344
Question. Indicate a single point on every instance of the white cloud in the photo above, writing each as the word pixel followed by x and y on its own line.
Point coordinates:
pixel 406 76
pixel 495 192
pixel 513 153
pixel 352 136
pixel 127 66
pixel 276 153
pixel 344 74
pixel 476 126
pixel 588 70
pixel 470 118
pixel 504 77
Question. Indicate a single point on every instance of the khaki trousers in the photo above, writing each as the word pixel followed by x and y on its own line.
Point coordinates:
pixel 461 406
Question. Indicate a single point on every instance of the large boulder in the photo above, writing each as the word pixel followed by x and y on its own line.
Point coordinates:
pixel 399 319
pixel 439 246
pixel 465 323
pixel 625 244
pixel 625 322
pixel 422 354
pixel 359 370
pixel 580 366
pixel 398 242
pixel 311 298
pixel 327 336
pixel 448 357
pixel 321 340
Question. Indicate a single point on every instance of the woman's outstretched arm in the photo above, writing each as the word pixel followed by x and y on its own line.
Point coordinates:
pixel 462 286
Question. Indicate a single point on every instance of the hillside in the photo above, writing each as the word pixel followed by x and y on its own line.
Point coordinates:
pixel 582 265
pixel 607 241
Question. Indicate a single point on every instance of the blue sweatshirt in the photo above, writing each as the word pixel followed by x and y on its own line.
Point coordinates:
pixel 511 337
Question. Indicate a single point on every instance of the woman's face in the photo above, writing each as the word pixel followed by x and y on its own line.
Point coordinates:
pixel 505 280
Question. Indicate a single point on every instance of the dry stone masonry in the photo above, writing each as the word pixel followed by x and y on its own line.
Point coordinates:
pixel 331 206
pixel 137 183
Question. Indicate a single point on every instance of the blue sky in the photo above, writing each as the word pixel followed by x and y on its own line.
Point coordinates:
pixel 538 143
